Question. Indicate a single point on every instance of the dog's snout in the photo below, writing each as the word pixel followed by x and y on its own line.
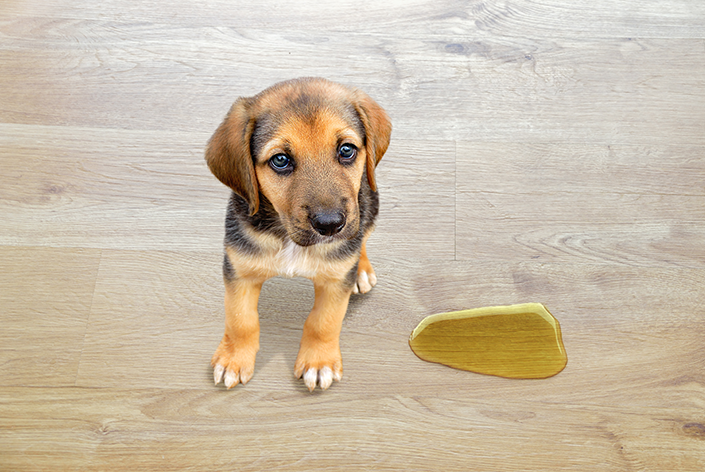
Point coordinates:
pixel 328 223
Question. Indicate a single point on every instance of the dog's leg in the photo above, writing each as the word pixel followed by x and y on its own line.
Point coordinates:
pixel 319 360
pixel 366 278
pixel 234 360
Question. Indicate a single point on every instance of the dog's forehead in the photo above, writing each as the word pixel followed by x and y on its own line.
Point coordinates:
pixel 302 95
pixel 305 117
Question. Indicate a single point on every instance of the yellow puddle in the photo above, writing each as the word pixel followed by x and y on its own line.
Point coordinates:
pixel 518 341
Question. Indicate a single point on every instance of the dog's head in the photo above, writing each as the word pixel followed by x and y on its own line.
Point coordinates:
pixel 305 145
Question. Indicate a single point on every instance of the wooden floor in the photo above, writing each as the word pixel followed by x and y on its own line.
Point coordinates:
pixel 543 151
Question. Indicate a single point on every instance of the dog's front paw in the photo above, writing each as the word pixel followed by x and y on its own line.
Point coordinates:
pixel 234 363
pixel 319 364
pixel 366 278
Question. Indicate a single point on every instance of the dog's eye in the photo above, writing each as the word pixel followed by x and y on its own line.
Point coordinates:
pixel 347 152
pixel 280 162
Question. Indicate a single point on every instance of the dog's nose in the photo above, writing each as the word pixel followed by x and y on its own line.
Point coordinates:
pixel 328 223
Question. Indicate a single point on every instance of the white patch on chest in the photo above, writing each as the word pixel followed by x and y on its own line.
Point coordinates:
pixel 296 261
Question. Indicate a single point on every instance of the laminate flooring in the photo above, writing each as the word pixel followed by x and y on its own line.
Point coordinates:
pixel 543 151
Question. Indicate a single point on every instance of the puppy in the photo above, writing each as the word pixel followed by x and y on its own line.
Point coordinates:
pixel 300 160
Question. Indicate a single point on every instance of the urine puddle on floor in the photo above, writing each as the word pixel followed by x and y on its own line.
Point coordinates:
pixel 517 341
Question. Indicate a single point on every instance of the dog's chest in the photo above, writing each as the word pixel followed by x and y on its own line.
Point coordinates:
pixel 293 260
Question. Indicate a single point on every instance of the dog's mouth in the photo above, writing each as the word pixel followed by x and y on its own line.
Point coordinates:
pixel 309 238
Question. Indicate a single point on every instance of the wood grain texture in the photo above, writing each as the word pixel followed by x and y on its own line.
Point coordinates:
pixel 45 303
pixel 636 205
pixel 527 87
pixel 552 18
pixel 169 429
pixel 543 151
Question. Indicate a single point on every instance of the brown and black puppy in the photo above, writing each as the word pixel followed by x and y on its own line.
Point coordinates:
pixel 300 158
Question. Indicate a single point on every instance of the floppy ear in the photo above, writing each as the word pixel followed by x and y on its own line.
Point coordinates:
pixel 378 130
pixel 228 153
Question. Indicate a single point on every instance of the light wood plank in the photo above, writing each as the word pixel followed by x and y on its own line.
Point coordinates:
pixel 183 429
pixel 417 200
pixel 65 186
pixel 525 90
pixel 560 203
pixel 149 314
pixel 611 90
pixel 45 302
pixel 552 18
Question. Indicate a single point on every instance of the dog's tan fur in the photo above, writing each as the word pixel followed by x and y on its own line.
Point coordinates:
pixel 274 220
